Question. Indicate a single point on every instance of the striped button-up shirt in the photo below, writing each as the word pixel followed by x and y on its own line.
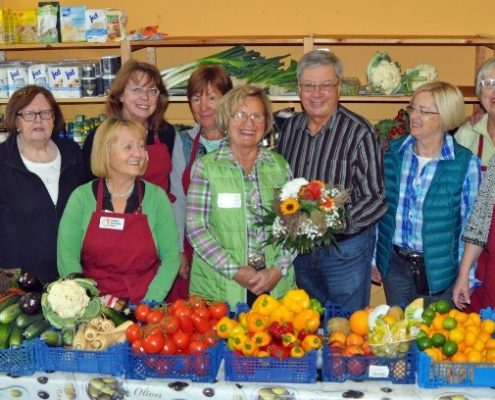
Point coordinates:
pixel 344 152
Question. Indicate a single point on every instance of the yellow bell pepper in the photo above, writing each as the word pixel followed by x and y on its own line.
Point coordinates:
pixel 296 300
pixel 249 347
pixel 237 342
pixel 308 320
pixel 311 342
pixel 265 304
pixel 297 352
pixel 281 314
pixel 224 326
pixel 241 318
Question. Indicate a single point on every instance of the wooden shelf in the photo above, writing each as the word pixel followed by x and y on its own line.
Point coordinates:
pixel 79 100
pixel 59 46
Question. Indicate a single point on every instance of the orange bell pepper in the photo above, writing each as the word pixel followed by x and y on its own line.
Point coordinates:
pixel 249 347
pixel 256 321
pixel 311 342
pixel 262 338
pixel 308 320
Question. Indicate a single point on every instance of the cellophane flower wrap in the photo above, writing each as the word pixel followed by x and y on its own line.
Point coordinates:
pixel 305 215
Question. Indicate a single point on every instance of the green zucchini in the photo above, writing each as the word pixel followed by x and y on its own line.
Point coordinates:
pixel 15 339
pixel 68 336
pixel 23 320
pixel 5 330
pixel 9 301
pixel 35 329
pixel 52 338
pixel 10 313
pixel 116 317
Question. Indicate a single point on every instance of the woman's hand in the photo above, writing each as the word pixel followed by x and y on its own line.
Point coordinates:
pixel 265 280
pixel 461 294
pixel 244 275
pixel 184 267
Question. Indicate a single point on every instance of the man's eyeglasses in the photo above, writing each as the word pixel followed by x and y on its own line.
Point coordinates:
pixel 30 116
pixel 421 111
pixel 325 87
pixel 139 91
pixel 241 116
pixel 488 83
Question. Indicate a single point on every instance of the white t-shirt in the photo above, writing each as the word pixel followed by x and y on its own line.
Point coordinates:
pixel 48 172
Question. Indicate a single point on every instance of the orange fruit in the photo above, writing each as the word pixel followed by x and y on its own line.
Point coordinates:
pixel 478 345
pixel 490 344
pixel 488 326
pixel 475 317
pixel 459 357
pixel 354 340
pixel 461 317
pixel 437 322
pixel 337 336
pixel 456 335
pixel 490 355
pixel 358 322
pixel 469 337
pixel 474 356
pixel 483 336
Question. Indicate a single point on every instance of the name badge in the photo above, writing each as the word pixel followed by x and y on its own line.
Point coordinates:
pixel 229 200
pixel 112 223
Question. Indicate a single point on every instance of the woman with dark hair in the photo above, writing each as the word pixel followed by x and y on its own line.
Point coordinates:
pixel 138 94
pixel 38 172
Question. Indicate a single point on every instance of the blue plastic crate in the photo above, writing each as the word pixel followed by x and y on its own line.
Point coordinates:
pixel 197 367
pixel 109 362
pixel 20 361
pixel 334 310
pixel 433 374
pixel 240 368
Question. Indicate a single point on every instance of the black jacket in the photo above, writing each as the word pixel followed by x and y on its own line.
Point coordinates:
pixel 28 218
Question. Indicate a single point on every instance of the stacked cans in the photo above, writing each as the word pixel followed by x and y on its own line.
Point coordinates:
pixel 97 77
pixel 109 67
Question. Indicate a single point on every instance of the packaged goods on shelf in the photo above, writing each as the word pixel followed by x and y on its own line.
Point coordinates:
pixel 17 76
pixel 4 88
pixel 48 22
pixel 116 25
pixel 64 80
pixel 96 25
pixel 38 75
pixel 73 24
pixel 6 35
pixel 25 26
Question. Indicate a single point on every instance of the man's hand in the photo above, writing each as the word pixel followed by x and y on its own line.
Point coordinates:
pixel 265 280
pixel 184 267
pixel 244 276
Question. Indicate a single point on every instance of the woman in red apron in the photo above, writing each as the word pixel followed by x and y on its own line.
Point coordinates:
pixel 205 88
pixel 139 94
pixel 479 235
pixel 119 230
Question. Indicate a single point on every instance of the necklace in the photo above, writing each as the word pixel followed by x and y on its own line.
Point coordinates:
pixel 120 195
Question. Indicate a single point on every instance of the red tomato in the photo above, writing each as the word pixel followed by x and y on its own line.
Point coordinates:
pixel 218 309
pixel 170 324
pixel 186 324
pixel 181 340
pixel 210 338
pixel 182 311
pixel 141 312
pixel 169 347
pixel 201 324
pixel 195 336
pixel 153 343
pixel 133 332
pixel 179 303
pixel 155 330
pixel 213 323
pixel 197 347
pixel 196 302
pixel 155 316
pixel 137 346
pixel 203 312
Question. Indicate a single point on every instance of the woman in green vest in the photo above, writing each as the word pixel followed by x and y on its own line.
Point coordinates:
pixel 229 189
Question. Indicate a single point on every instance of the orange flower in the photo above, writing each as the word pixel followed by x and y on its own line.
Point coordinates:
pixel 311 191
pixel 327 204
pixel 289 206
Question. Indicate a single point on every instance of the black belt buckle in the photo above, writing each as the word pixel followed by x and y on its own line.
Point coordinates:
pixel 418 269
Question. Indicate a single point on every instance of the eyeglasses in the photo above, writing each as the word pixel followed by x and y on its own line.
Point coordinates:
pixel 241 116
pixel 30 116
pixel 488 83
pixel 421 111
pixel 195 100
pixel 325 87
pixel 139 91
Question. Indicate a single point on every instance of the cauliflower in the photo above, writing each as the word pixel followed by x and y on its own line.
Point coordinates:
pixel 413 78
pixel 383 75
pixel 68 299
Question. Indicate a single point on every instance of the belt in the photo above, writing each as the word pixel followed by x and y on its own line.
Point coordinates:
pixel 341 237
pixel 407 254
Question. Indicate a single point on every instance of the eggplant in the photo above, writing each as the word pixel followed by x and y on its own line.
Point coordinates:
pixel 29 282
pixel 30 303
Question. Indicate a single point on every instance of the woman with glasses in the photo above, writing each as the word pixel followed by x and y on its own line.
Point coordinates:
pixel 138 94
pixel 431 183
pixel 229 189
pixel 205 88
pixel 480 136
pixel 38 172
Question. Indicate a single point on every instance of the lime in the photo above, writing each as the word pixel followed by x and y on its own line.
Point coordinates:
pixel 423 343
pixel 449 348
pixel 449 323
pixel 442 306
pixel 427 321
pixel 429 313
pixel 421 333
pixel 438 339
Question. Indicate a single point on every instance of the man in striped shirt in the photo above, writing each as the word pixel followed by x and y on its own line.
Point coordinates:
pixel 331 143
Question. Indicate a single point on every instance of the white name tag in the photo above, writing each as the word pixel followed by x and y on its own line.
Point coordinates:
pixel 378 371
pixel 112 223
pixel 229 200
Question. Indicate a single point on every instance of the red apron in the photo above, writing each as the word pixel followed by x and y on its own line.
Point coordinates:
pixel 159 165
pixel 180 288
pixel 484 296
pixel 123 260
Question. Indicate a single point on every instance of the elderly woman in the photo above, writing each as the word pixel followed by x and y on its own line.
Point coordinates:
pixel 119 229
pixel 480 137
pixel 479 238
pixel 431 183
pixel 229 188
pixel 38 172
pixel 138 94
pixel 205 88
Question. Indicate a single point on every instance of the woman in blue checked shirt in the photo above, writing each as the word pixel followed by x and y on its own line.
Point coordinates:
pixel 431 184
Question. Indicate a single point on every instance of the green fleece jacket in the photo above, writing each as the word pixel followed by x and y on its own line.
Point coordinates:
pixel 156 207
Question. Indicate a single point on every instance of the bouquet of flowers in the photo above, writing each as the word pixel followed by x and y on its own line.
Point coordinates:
pixel 306 215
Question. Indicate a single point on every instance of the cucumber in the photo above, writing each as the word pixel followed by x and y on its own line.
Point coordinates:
pixel 35 329
pixel 68 336
pixel 10 313
pixel 15 339
pixel 23 320
pixel 52 338
pixel 5 330
pixel 9 301
pixel 116 317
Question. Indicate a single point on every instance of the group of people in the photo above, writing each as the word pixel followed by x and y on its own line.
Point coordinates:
pixel 152 213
